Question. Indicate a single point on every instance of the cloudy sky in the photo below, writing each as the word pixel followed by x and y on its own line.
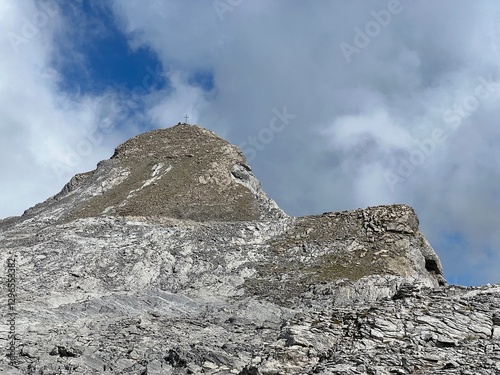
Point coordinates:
pixel 337 104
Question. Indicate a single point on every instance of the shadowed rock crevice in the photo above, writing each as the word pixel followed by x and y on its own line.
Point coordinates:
pixel 432 266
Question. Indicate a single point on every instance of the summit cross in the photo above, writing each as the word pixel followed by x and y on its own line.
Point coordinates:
pixel 186 117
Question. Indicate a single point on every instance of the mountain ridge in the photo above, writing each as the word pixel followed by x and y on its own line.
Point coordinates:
pixel 204 171
pixel 169 258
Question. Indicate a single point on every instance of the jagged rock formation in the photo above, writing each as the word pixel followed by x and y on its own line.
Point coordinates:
pixel 170 259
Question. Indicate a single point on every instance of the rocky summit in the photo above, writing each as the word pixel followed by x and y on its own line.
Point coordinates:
pixel 169 258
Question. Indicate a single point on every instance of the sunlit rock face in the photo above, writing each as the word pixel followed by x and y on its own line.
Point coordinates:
pixel 184 172
pixel 170 259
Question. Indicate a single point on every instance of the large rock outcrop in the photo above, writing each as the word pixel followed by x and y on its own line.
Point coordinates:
pixel 184 172
pixel 170 259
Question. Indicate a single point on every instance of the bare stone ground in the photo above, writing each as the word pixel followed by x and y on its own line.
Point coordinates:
pixel 170 259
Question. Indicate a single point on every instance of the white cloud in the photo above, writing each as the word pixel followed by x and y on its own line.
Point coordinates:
pixel 165 110
pixel 43 132
pixel 346 130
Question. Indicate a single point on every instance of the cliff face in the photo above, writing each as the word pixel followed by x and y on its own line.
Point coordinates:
pixel 170 259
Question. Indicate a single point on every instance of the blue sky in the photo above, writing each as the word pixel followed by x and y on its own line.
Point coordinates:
pixel 337 105
pixel 107 62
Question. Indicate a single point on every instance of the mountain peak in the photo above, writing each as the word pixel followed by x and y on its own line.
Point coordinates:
pixel 189 173
pixel 182 172
pixel 176 141
pixel 169 258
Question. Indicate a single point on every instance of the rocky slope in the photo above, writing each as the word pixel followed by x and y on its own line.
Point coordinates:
pixel 170 259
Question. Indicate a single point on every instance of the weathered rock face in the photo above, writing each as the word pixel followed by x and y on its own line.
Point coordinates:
pixel 170 259
pixel 185 172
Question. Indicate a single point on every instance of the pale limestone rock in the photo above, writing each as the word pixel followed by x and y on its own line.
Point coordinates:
pixel 170 259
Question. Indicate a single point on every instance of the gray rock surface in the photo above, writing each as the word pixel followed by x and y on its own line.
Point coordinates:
pixel 170 259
